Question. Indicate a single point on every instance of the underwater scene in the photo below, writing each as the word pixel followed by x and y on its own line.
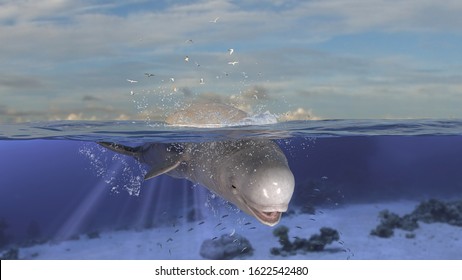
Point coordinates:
pixel 321 189
pixel 230 130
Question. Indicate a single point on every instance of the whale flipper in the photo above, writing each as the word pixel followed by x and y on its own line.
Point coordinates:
pixel 124 150
pixel 161 168
pixel 169 157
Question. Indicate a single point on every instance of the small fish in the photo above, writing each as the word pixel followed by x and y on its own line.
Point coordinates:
pixel 235 240
pixel 215 238
pixel 219 224
pixel 224 216
pixel 298 227
pixel 159 244
pixel 177 230
pixel 179 217
pixel 230 51
pixel 170 251
pixel 169 239
pixel 186 58
pixel 341 242
pixel 243 249
pixel 190 41
pixel 201 223
pixel 233 232
pixel 296 237
pixel 149 75
pixel 233 63
pixel 201 81
pixel 320 212
pixel 313 219
pixel 223 228
pixel 248 223
pixel 190 229
pixel 316 190
pixel 132 81
pixel 252 228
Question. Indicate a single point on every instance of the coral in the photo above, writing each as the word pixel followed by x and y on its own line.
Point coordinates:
pixel 226 247
pixel 389 221
pixel 93 235
pixel 382 231
pixel 431 211
pixel 283 233
pixel 11 254
pixel 315 243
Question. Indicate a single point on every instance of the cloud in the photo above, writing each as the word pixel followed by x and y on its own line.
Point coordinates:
pixel 15 82
pixel 390 16
pixel 12 115
pixel 84 29
pixel 24 10
pixel 298 114
pixel 90 98
pixel 73 51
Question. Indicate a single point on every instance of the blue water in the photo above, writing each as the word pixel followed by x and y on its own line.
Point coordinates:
pixel 56 182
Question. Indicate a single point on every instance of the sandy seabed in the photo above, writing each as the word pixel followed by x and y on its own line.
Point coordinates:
pixel 182 240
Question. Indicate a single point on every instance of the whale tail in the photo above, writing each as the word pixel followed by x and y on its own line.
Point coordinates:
pixel 170 162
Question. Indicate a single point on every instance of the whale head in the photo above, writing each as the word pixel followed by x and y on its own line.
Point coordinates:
pixel 261 183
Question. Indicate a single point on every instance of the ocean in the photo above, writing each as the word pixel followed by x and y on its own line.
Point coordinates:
pixel 382 189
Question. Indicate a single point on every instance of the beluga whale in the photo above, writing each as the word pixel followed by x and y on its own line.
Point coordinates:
pixel 252 174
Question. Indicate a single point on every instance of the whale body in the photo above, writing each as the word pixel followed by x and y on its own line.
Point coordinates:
pixel 253 174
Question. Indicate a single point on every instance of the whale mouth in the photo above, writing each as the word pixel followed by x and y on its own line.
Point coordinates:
pixel 268 218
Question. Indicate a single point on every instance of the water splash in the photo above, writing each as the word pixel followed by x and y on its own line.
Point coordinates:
pixel 117 171
pixel 265 118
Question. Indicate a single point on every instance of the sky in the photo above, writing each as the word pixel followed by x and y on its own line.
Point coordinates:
pixel 347 59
